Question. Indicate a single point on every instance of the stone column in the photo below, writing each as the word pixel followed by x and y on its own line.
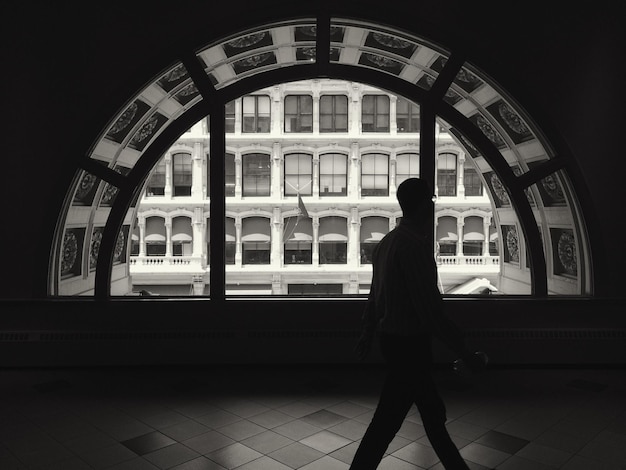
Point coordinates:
pixel 168 175
pixel 316 109
pixel 277 284
pixel 354 173
pixel 238 241
pixel 486 225
pixel 316 177
pixel 197 188
pixel 460 223
pixel 277 238
pixel 142 235
pixel 393 123
pixel 238 175
pixel 353 284
pixel 393 164
pixel 461 178
pixel 315 251
pixel 238 114
pixel 276 175
pixel 354 114
pixel 168 236
pixel 198 233
pixel 277 115
pixel 353 237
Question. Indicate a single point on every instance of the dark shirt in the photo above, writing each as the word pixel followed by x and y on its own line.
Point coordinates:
pixel 404 298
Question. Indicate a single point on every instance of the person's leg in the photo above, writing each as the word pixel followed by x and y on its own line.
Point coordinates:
pixel 395 401
pixel 433 413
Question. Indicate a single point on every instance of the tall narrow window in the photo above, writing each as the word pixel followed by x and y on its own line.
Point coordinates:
pixel 182 174
pixel 298 113
pixel 334 113
pixel 333 240
pixel 298 240
pixel 255 238
pixel 446 174
pixel 256 113
pixel 298 174
pixel 230 243
pixel 473 184
pixel 407 166
pixel 229 123
pixel 333 174
pixel 229 175
pixel 374 175
pixel 156 184
pixel 256 174
pixel 375 113
pixel 407 116
pixel 182 236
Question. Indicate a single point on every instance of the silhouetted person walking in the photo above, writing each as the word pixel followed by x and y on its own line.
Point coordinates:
pixel 405 308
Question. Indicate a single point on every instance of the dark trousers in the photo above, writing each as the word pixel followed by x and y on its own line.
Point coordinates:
pixel 409 380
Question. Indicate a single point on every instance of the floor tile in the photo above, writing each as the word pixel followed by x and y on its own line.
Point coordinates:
pixel 325 441
pixel 200 463
pixel 148 442
pixel 326 463
pixel 393 463
pixel 264 463
pixel 270 419
pixel 217 419
pixel 417 454
pixel 296 429
pixel 296 455
pixel 135 464
pixel 208 442
pixel 108 456
pixel 170 456
pixel 350 429
pixel 234 455
pixel 503 442
pixel 483 455
pixel 185 430
pixel 267 442
pixel 323 419
pixel 543 454
pixel 240 430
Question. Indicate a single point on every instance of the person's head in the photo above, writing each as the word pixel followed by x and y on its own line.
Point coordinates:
pixel 414 196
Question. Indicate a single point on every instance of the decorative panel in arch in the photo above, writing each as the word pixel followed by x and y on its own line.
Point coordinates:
pixel 259 50
pixel 367 45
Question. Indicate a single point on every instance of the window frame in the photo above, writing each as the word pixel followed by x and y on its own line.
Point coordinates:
pixel 299 115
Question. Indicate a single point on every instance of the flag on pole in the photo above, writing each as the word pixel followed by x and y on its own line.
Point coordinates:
pixel 302 212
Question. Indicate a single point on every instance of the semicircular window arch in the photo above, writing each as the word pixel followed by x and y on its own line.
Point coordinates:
pixel 535 220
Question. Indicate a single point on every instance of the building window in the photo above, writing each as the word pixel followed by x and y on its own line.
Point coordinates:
pixel 333 174
pixel 473 236
pixel 333 240
pixel 407 166
pixel 471 181
pixel 374 175
pixel 230 246
pixel 255 238
pixel 256 174
pixel 155 238
pixel 298 113
pixel 181 236
pixel 298 174
pixel 156 183
pixel 407 116
pixel 182 174
pixel 315 289
pixel 298 236
pixel 334 113
pixel 229 175
pixel 446 174
pixel 229 111
pixel 256 113
pixel 447 236
pixel 375 113
pixel 373 229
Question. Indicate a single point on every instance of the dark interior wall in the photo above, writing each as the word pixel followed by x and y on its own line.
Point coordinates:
pixel 67 69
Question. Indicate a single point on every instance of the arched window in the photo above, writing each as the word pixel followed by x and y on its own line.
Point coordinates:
pixel 541 232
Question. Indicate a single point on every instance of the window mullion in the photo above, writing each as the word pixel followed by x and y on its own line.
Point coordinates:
pixel 427 157
pixel 217 204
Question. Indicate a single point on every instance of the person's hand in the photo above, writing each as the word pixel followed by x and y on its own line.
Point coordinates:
pixel 364 345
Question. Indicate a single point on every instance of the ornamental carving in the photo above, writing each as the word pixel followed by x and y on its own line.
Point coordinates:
pixel 391 41
pixel 380 61
pixel 511 118
pixel 553 188
pixel 512 244
pixel 94 248
pixel 247 41
pixel 175 74
pixel 119 246
pixel 566 248
pixel 146 130
pixel 489 131
pixel 69 252
pixel 85 186
pixel 124 120
pixel 498 189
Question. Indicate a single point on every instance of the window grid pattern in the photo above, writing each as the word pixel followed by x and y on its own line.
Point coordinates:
pixel 446 174
pixel 298 174
pixel 182 174
pixel 298 113
pixel 375 113
pixel 407 166
pixel 333 174
pixel 407 116
pixel 256 174
pixel 374 175
pixel 333 113
pixel 256 114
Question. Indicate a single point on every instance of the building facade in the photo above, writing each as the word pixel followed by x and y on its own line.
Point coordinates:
pixel 311 171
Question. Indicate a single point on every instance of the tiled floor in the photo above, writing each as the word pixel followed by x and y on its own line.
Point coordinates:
pixel 309 418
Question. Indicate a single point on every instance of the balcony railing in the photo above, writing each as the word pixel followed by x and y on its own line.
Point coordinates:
pixel 463 260
pixel 165 261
